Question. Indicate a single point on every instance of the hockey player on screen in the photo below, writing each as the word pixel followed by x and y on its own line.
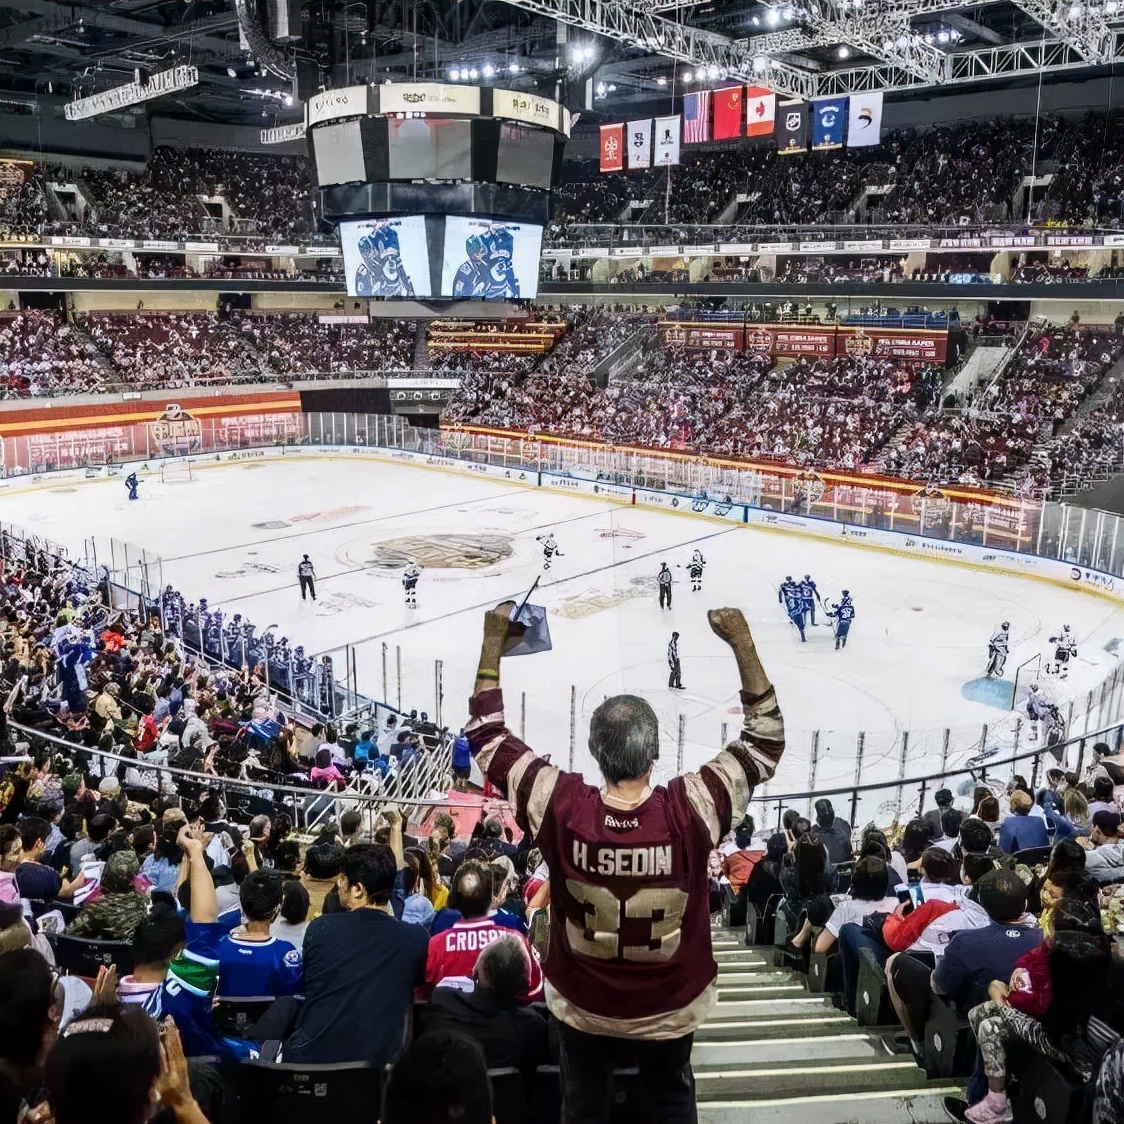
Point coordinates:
pixel 695 570
pixel 549 549
pixel 809 595
pixel 794 604
pixel 489 270
pixel 381 273
pixel 132 483
pixel 842 614
pixel 997 648
pixel 1065 649
pixel 410 584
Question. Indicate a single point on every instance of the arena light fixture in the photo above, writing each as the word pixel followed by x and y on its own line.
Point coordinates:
pixel 661 81
pixel 844 52
pixel 773 18
pixel 688 77
pixel 474 73
pixel 489 70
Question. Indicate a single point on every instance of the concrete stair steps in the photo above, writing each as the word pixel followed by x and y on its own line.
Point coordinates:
pixel 799 1005
pixel 734 992
pixel 810 1025
pixel 843 1046
pixel 801 1076
pixel 877 1106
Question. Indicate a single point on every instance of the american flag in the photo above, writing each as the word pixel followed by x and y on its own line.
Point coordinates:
pixel 696 117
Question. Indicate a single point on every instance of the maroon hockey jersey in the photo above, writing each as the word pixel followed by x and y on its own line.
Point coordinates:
pixel 630 951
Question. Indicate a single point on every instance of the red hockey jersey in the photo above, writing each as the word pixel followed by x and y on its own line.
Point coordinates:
pixel 630 952
pixel 453 954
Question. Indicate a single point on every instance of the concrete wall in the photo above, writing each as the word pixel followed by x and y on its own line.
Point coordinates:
pixel 154 301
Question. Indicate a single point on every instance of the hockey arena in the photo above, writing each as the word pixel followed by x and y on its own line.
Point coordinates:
pixel 915 663
pixel 561 562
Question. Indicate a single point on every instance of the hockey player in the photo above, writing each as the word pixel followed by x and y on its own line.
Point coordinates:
pixel 307 576
pixel 695 569
pixel 549 549
pixel 1065 648
pixel 809 595
pixel 1037 709
pixel 997 648
pixel 674 677
pixel 410 584
pixel 664 580
pixel 132 483
pixel 842 614
pixel 794 605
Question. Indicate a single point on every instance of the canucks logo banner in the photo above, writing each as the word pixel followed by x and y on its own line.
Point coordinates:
pixel 864 127
pixel 829 119
pixel 792 127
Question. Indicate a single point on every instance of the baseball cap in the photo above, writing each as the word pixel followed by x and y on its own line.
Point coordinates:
pixel 1003 894
pixel 1108 822
pixel 120 869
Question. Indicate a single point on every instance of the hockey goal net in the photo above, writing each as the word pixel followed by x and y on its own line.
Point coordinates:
pixel 175 472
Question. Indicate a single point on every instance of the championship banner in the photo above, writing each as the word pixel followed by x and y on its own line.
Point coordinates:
pixel 864 120
pixel 792 128
pixel 894 343
pixel 696 117
pixel 666 150
pixel 703 337
pixel 829 118
pixel 640 144
pixel 760 111
pixel 813 342
pixel 612 148
pixel 728 113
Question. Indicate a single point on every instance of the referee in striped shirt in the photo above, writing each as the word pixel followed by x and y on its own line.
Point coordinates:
pixel 674 678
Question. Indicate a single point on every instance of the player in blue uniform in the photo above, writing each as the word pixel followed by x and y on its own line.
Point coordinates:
pixel 794 604
pixel 810 595
pixel 132 483
pixel 381 273
pixel 842 613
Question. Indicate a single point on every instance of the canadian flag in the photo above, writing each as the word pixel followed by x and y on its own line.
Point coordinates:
pixel 760 111
pixel 612 148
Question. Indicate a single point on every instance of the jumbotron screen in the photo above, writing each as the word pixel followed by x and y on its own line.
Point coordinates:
pixel 490 259
pixel 454 257
pixel 387 257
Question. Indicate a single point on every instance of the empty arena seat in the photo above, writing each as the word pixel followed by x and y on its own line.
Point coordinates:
pixel 950 1046
pixel 235 1015
pixel 307 1094
pixel 510 1103
pixel 872 993
pixel 79 956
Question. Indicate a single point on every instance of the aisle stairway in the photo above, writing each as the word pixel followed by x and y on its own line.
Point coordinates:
pixel 774 1054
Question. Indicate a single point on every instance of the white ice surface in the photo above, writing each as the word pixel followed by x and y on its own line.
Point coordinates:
pixel 921 629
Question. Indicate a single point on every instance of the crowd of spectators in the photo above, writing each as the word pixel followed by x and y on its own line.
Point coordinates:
pixel 23 204
pixel 1088 184
pixel 995 435
pixel 266 195
pixel 827 413
pixel 301 343
pixel 41 354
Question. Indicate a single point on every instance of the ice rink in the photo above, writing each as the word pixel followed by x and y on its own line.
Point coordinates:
pixel 235 533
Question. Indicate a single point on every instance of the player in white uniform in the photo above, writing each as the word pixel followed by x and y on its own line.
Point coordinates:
pixel 1065 649
pixel 695 569
pixel 410 584
pixel 1037 709
pixel 997 649
pixel 549 549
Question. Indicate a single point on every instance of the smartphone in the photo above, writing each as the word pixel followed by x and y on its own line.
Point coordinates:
pixel 915 894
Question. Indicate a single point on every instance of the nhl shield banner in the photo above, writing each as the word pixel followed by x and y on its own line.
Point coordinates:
pixel 864 124
pixel 760 111
pixel 666 142
pixel 612 148
pixel 640 144
pixel 829 119
pixel 792 127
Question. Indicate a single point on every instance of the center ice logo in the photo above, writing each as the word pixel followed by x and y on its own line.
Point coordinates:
pixel 455 552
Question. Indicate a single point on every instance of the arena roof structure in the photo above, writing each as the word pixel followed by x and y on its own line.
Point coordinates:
pixel 633 48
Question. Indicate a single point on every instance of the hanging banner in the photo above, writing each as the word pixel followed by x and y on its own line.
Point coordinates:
pixel 760 111
pixel 696 117
pixel 829 119
pixel 640 144
pixel 792 128
pixel 612 148
pixel 666 142
pixel 728 113
pixel 864 120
